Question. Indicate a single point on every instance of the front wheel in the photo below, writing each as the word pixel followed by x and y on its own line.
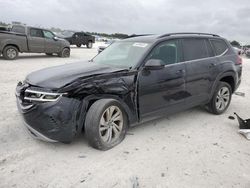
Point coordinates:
pixel 221 98
pixel 78 45
pixel 105 124
pixel 10 53
pixel 90 44
pixel 64 53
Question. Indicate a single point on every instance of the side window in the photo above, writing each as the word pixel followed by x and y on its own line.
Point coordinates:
pixel 167 51
pixel 194 49
pixel 219 46
pixel 48 34
pixel 36 33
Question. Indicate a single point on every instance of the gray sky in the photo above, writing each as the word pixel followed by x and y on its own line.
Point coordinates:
pixel 228 18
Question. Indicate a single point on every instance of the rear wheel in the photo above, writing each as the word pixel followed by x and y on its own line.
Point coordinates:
pixel 64 53
pixel 221 98
pixel 105 124
pixel 90 44
pixel 10 52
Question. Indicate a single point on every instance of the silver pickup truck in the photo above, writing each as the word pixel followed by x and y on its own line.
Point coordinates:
pixel 33 40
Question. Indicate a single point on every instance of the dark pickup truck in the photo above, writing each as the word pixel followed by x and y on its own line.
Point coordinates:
pixel 81 38
pixel 32 40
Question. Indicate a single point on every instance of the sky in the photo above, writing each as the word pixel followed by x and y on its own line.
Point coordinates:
pixel 228 18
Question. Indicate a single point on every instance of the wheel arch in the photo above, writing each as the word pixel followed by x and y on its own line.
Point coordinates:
pixel 228 77
pixel 88 101
pixel 14 45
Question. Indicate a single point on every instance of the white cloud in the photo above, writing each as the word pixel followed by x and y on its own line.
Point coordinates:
pixel 228 18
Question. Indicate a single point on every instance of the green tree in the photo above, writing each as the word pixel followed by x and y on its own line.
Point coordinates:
pixel 235 43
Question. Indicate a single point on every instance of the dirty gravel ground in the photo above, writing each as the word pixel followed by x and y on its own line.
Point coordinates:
pixel 188 149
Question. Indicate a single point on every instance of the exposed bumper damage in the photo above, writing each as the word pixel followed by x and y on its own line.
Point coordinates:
pixel 244 126
pixel 61 120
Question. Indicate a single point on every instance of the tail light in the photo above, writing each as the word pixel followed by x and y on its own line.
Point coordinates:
pixel 239 60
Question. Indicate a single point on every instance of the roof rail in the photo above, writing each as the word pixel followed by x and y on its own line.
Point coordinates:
pixel 187 33
pixel 134 35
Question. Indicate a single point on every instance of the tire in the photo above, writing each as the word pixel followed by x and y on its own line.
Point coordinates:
pixel 221 99
pixel 10 53
pixel 101 133
pixel 90 44
pixel 78 45
pixel 49 54
pixel 64 53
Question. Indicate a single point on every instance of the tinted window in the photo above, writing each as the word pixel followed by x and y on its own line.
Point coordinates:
pixel 48 34
pixel 219 46
pixel 167 52
pixel 194 49
pixel 36 33
pixel 18 29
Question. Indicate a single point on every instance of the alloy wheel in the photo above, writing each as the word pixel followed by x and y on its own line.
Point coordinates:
pixel 111 124
pixel 11 53
pixel 222 98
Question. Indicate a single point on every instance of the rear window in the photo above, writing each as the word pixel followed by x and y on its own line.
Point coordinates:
pixel 18 29
pixel 219 46
pixel 194 49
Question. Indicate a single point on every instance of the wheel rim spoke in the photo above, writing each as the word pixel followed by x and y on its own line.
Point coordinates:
pixel 117 127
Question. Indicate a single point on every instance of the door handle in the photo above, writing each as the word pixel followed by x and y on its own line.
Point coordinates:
pixel 212 65
pixel 182 71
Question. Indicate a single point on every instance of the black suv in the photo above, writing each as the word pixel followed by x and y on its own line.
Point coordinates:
pixel 132 81
pixel 81 38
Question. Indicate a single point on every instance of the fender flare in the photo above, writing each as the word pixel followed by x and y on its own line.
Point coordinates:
pixel 219 77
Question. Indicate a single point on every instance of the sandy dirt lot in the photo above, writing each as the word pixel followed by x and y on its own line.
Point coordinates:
pixel 188 149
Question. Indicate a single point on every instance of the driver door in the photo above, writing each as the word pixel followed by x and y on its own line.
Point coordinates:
pixel 162 91
pixel 51 45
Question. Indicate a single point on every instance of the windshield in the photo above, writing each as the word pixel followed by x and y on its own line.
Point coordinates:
pixel 123 54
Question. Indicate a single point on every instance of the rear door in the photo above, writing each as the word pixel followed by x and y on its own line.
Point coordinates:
pixel 36 41
pixel 162 91
pixel 51 45
pixel 201 68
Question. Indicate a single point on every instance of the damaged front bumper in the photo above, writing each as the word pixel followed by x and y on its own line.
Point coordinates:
pixel 48 121
pixel 35 134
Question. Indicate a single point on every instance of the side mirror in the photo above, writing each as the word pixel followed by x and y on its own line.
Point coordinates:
pixel 154 64
pixel 55 38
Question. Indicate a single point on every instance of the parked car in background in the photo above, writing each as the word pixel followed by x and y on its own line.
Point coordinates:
pixel 33 40
pixel 237 50
pixel 247 52
pixel 133 81
pixel 81 38
pixel 105 45
pixel 3 28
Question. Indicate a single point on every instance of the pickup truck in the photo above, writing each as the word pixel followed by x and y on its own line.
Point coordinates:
pixel 81 38
pixel 33 40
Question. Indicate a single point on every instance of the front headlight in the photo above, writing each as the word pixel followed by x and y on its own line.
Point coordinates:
pixel 41 96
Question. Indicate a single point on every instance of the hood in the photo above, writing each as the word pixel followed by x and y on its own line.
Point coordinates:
pixel 58 76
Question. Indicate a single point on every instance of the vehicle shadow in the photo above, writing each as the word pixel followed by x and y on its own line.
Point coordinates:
pixel 82 47
pixel 81 142
pixel 155 122
pixel 31 57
